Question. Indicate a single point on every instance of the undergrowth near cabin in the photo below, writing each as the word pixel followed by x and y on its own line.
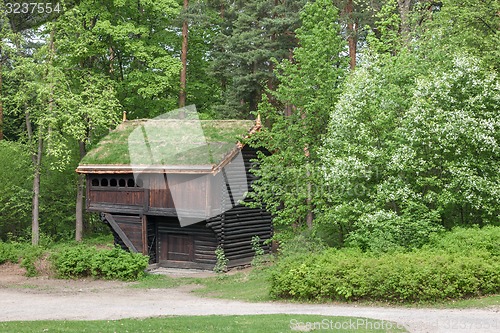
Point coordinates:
pixel 83 261
pixel 96 257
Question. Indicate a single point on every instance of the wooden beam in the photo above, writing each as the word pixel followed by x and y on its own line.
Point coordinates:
pixel 120 232
pixel 145 245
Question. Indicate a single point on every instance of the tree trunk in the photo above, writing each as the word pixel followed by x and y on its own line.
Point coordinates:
pixel 184 50
pixel 80 198
pixel 36 159
pixel 351 33
pixel 309 204
pixel 35 212
pixel 111 61
pixel 404 12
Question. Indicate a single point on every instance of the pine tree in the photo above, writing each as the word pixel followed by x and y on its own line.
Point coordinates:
pixel 251 34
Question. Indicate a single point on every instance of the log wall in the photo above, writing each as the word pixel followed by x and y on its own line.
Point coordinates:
pixel 204 241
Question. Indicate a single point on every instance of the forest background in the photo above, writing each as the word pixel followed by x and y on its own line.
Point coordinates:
pixel 382 115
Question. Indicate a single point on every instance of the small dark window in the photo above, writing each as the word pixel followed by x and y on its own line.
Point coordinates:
pixel 131 182
pixel 95 182
pixel 104 182
pixel 113 182
pixel 122 182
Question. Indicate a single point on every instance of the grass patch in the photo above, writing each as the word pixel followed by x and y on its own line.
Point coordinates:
pixel 159 281
pixel 251 286
pixel 185 144
pixel 480 302
pixel 210 324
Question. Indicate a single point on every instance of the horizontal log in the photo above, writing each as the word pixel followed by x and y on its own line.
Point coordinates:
pixel 253 231
pixel 205 243
pixel 261 234
pixel 210 254
pixel 235 226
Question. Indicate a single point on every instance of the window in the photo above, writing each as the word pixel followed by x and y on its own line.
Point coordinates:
pixel 124 181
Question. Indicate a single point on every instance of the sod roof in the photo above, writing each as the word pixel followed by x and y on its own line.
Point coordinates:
pixel 166 142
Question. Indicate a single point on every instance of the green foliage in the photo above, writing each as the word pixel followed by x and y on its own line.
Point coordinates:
pixel 123 45
pixel 250 34
pixel 29 259
pixel 258 258
pixel 467 240
pixel 294 243
pixel 407 155
pixel 297 112
pixel 21 252
pixel 465 26
pixel 221 263
pixel 15 191
pixel 8 253
pixel 387 39
pixel 432 274
pixel 82 261
pixel 385 231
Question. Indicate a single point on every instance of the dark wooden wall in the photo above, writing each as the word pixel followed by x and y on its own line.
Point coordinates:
pixel 236 226
pixel 204 243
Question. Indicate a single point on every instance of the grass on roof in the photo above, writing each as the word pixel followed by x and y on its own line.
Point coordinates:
pixel 168 142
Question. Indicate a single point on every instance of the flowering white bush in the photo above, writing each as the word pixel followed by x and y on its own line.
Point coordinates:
pixel 425 151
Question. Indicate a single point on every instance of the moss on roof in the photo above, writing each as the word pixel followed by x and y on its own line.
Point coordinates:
pixel 168 142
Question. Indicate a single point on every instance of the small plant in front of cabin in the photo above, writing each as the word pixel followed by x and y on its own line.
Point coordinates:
pixel 221 264
pixel 258 258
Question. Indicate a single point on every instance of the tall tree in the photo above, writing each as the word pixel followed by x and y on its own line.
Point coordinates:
pixel 311 82
pixel 250 35
pixel 1 93
pixel 184 57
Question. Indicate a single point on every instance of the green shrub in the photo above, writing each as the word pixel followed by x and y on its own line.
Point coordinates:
pixel 119 264
pixel 81 261
pixel 462 263
pixel 221 263
pixel 8 253
pixel 466 240
pixel 29 258
pixel 22 252
pixel 385 231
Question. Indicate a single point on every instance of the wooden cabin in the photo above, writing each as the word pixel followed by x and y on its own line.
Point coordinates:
pixel 175 195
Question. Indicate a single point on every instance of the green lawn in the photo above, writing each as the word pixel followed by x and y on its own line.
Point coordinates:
pixel 251 286
pixel 211 324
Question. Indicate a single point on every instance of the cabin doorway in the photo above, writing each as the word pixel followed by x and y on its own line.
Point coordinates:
pixel 176 247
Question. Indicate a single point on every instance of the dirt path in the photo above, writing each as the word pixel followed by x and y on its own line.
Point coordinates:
pixel 42 298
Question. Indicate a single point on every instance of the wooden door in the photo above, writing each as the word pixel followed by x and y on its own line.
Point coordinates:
pixel 176 247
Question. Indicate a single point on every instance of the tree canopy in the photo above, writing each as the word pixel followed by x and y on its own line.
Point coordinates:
pixel 381 117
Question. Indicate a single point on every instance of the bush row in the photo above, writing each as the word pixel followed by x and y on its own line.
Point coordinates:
pixel 459 264
pixel 83 261
pixel 74 261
